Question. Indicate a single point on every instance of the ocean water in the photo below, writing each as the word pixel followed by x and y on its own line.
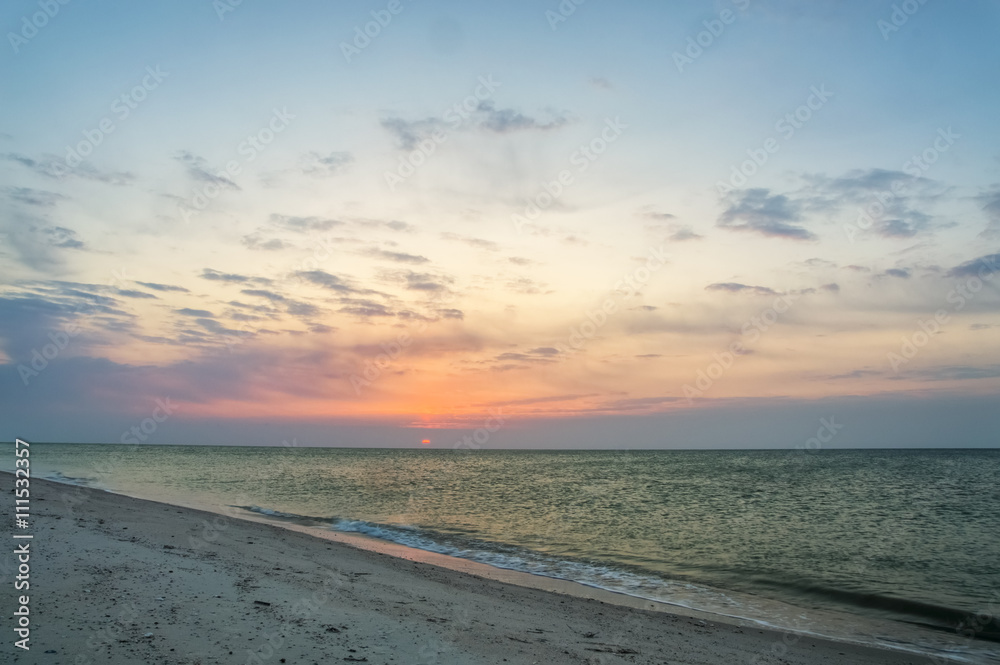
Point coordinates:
pixel 849 544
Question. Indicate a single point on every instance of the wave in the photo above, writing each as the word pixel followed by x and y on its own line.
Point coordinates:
pixel 983 625
pixel 57 477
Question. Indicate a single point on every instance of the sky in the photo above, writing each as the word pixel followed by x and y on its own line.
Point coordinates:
pixel 532 224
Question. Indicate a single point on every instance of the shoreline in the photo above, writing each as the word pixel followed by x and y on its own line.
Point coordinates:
pixel 98 552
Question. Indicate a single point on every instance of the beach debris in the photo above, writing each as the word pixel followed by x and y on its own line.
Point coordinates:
pixel 168 547
pixel 356 660
pixel 332 629
pixel 160 598
pixel 261 602
pixel 148 635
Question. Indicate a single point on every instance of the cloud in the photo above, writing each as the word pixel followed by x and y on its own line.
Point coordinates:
pixel 409 133
pixel 326 280
pixel 478 243
pixel 600 82
pixel 991 207
pixel 186 311
pixel 984 265
pixel 683 233
pixel 899 273
pixel 451 313
pixel 129 293
pixel 232 278
pixel 485 118
pixel 756 210
pixel 392 225
pixel 365 308
pixel 55 167
pixel 649 213
pixel 329 164
pixel 734 287
pixel 527 286
pixel 60 236
pixel 163 287
pixel 638 403
pixel 418 281
pixel 894 202
pixel 398 257
pixel 520 261
pixel 953 373
pixel 254 241
pixel 505 121
pixel 296 308
pixel 34 197
pixel 303 224
pixel 197 169
pixel 917 222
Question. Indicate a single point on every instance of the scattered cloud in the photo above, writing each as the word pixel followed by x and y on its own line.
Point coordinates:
pixel 758 211
pixel 303 224
pixel 232 278
pixel 328 164
pixel 55 167
pixel 197 169
pixel 478 243
pixel 398 257
pixel 163 287
pixel 34 197
pixel 735 287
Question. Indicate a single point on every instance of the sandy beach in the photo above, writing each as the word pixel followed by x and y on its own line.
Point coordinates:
pixel 116 579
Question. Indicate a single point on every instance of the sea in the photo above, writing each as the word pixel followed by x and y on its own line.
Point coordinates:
pixel 898 548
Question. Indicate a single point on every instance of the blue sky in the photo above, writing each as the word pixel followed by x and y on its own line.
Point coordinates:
pixel 267 217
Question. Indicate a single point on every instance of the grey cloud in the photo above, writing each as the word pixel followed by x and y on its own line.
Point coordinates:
pixel 197 169
pixel 758 211
pixel 163 287
pixel 303 224
pixel 232 278
pixel 254 241
pixel 398 257
pixel 479 243
pixel 129 293
pixel 987 265
pixel 328 164
pixel 202 313
pixel 735 287
pixel 326 280
pixel 52 166
pixel 35 197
